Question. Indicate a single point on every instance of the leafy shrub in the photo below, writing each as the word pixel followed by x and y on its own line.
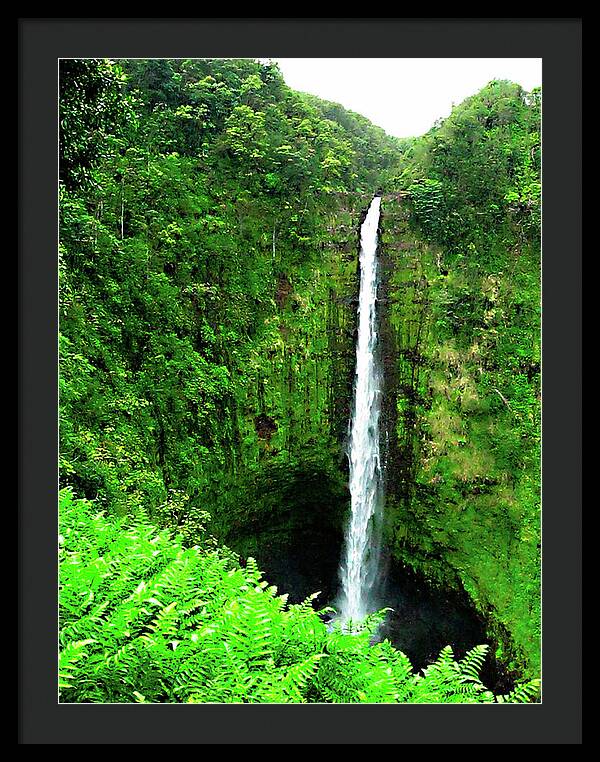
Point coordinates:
pixel 145 619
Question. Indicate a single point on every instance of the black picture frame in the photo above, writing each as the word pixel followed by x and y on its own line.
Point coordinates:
pixel 558 42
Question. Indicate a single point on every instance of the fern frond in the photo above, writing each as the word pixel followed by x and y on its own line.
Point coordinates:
pixel 145 619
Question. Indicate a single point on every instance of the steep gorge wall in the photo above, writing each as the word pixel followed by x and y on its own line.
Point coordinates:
pixel 286 499
pixel 462 464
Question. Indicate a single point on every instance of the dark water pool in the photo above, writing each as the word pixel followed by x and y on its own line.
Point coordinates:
pixel 424 619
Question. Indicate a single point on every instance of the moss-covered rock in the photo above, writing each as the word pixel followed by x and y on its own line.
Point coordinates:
pixel 463 429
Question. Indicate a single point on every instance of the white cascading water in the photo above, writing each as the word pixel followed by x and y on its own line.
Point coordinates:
pixel 359 568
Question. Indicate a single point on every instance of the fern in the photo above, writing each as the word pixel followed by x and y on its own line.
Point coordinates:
pixel 522 694
pixel 144 619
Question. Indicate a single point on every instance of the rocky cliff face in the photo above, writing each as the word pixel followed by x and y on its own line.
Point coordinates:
pixel 462 460
pixel 287 497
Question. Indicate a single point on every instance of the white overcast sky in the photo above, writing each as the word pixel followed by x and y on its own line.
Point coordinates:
pixel 404 95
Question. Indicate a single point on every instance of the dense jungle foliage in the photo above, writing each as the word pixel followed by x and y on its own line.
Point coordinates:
pixel 193 223
pixel 208 238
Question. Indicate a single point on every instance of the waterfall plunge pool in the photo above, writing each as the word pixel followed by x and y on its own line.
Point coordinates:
pixel 424 618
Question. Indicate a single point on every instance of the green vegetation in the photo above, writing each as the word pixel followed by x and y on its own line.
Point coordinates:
pixel 465 291
pixel 205 279
pixel 208 238
pixel 146 619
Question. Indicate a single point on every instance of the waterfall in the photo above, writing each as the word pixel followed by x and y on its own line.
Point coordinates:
pixel 359 568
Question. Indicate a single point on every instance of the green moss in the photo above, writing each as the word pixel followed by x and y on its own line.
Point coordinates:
pixel 463 506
